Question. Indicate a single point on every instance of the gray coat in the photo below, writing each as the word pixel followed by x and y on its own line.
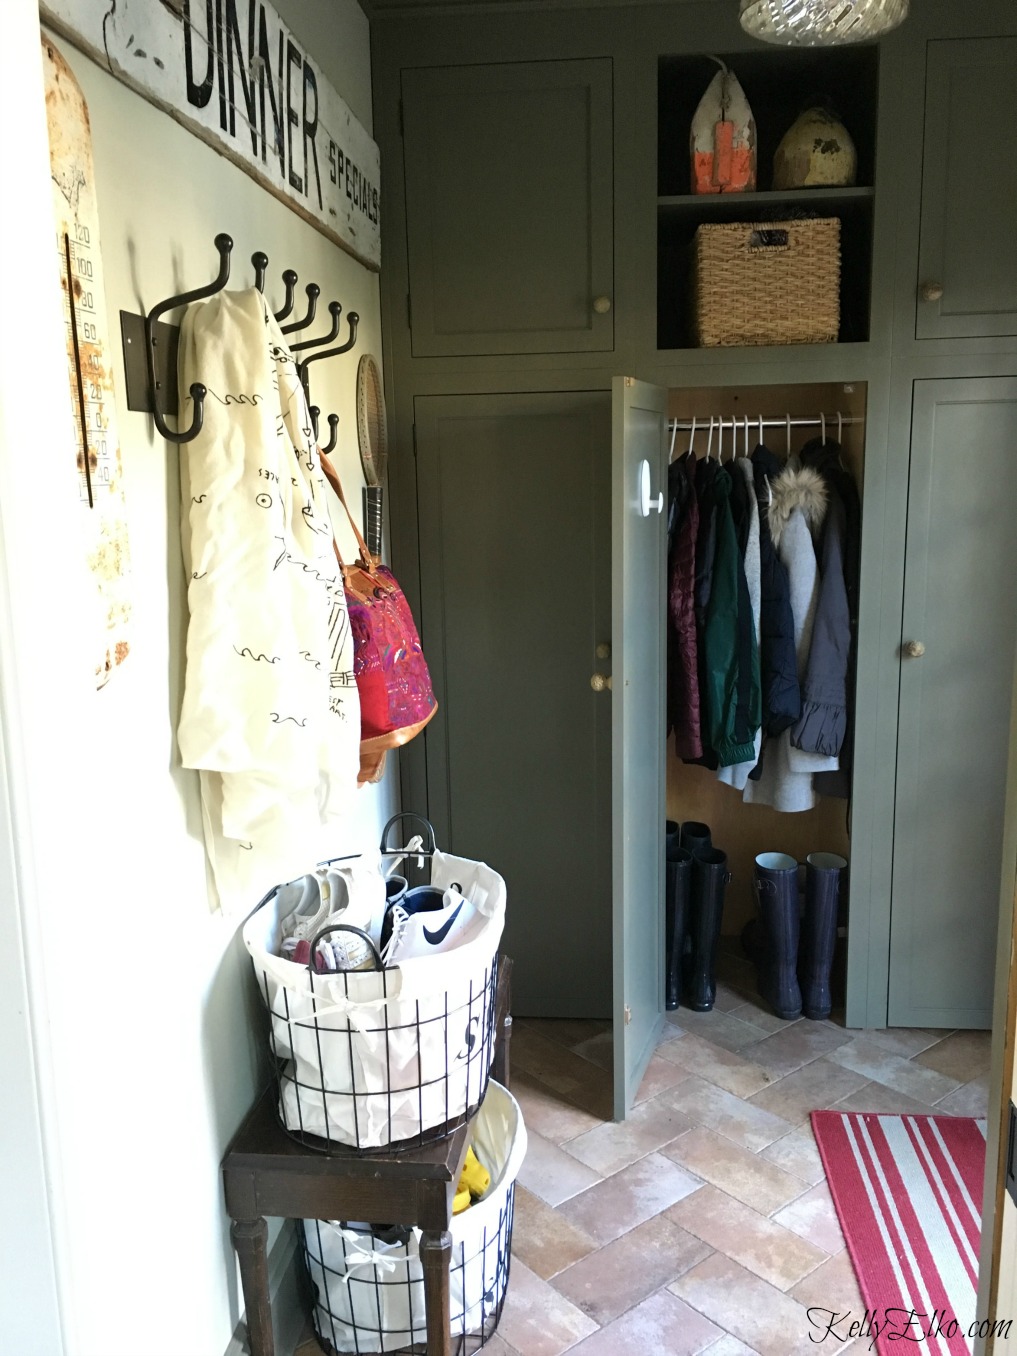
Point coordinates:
pixel 822 725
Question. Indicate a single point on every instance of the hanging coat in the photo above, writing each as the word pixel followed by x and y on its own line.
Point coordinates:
pixel 731 695
pixel 683 709
pixel 781 694
pixel 798 508
pixel 826 459
pixel 823 722
pixel 706 472
pixel 736 774
pixel 270 714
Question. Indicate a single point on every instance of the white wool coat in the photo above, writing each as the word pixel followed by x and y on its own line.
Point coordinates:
pixel 270 715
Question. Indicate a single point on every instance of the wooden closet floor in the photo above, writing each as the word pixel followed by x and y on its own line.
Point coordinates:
pixel 703 1224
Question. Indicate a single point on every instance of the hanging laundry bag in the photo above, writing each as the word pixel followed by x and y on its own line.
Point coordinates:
pixel 368 1058
pixel 369 1287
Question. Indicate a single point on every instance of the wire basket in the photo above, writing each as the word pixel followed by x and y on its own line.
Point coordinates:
pixel 368 1283
pixel 390 1058
pixel 774 282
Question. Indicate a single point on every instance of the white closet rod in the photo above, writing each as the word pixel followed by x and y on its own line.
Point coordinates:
pixel 737 421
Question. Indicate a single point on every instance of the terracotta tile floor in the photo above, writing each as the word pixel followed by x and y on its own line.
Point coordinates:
pixel 702 1224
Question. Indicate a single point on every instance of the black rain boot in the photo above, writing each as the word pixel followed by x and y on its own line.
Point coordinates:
pixel 776 884
pixel 696 837
pixel 819 932
pixel 678 882
pixel 709 881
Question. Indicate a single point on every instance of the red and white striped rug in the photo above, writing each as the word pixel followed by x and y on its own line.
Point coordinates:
pixel 908 1191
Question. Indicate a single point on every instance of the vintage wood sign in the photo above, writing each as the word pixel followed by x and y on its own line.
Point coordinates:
pixel 233 74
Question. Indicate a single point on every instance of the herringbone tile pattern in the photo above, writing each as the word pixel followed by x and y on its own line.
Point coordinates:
pixel 703 1223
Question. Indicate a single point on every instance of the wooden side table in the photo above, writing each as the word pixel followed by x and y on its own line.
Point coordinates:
pixel 265 1172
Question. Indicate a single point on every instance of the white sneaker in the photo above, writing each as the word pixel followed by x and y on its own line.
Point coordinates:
pixel 344 950
pixel 311 910
pixel 427 920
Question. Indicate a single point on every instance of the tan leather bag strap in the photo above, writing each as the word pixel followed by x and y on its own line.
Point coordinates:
pixel 331 475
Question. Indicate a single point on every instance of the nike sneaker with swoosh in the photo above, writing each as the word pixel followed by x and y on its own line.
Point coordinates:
pixel 427 920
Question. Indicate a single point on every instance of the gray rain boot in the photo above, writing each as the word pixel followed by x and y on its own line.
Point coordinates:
pixel 776 885
pixel 819 931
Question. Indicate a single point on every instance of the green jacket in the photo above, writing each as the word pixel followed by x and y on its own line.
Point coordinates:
pixel 733 691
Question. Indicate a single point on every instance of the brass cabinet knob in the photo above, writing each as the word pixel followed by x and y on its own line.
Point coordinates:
pixel 602 305
pixel 603 650
pixel 931 291
pixel 600 683
pixel 913 649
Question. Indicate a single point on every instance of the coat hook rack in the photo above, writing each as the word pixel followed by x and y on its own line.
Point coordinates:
pixel 313 293
pixel 224 245
pixel 290 280
pixel 151 344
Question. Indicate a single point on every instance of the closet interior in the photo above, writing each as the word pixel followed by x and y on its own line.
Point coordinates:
pixel 791 416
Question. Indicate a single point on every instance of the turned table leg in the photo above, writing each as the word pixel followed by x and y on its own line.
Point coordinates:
pixel 250 1237
pixel 435 1255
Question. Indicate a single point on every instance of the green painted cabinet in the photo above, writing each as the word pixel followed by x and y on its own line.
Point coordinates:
pixel 956 676
pixel 509 182
pixel 967 283
pixel 515 573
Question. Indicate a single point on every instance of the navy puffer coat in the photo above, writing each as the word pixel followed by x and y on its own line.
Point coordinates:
pixel 782 698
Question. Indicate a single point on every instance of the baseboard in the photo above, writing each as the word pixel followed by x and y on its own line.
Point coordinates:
pixel 288 1316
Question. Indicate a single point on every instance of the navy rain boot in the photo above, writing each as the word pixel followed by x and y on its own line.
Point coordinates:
pixel 819 932
pixel 678 883
pixel 709 882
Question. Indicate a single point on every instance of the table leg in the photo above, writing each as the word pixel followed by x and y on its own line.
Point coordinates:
pixel 250 1237
pixel 500 1066
pixel 435 1256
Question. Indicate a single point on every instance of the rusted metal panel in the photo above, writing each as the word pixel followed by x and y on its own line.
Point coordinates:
pixel 93 437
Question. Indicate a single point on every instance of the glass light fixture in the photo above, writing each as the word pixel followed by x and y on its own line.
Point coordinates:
pixel 820 23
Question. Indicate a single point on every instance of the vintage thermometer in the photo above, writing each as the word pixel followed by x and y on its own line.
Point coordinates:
pixel 89 358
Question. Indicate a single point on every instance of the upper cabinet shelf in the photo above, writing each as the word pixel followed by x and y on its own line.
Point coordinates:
pixel 780 84
pixel 731 206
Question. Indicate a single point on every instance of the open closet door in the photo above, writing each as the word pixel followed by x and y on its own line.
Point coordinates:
pixel 638 537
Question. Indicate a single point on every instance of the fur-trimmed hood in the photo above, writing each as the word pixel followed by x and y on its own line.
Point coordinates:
pixel 797 487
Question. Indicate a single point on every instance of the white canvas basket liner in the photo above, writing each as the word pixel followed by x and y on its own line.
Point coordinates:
pixel 371 1293
pixel 416 1039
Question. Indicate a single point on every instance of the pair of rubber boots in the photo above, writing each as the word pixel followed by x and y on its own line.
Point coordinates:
pixel 695 876
pixel 795 951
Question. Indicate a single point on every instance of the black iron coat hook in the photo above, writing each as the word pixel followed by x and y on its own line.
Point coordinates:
pixel 353 320
pixel 333 423
pixel 335 311
pixel 289 277
pixel 313 293
pixel 224 245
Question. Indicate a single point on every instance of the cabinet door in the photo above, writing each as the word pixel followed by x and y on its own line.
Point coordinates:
pixel 968 264
pixel 638 566
pixel 508 174
pixel 960 603
pixel 515 559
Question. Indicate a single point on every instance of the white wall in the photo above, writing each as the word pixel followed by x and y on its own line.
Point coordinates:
pixel 140 997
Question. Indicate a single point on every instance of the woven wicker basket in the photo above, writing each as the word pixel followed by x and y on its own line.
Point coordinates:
pixel 772 282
